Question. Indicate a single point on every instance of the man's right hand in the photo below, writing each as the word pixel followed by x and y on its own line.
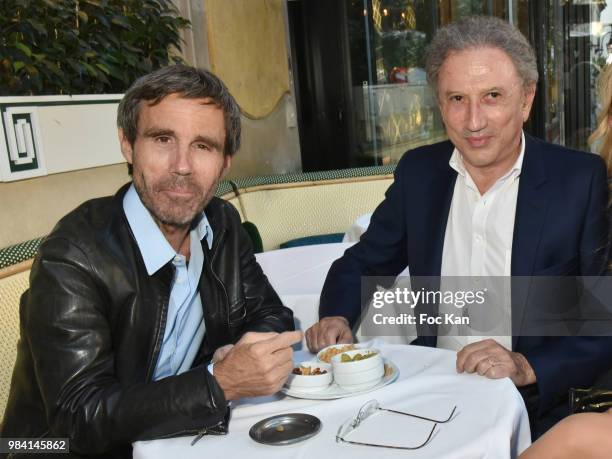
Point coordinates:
pixel 328 331
pixel 259 364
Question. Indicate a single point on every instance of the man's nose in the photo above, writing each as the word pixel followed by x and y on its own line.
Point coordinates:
pixel 477 119
pixel 181 160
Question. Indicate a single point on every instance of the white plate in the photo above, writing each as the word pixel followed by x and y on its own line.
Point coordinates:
pixel 335 391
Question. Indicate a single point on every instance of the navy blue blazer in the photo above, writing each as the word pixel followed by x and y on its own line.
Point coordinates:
pixel 560 229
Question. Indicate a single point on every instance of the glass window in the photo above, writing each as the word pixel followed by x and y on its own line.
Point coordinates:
pixel 587 29
pixel 363 97
pixel 394 109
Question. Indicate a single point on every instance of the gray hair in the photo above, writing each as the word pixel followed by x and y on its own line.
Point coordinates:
pixel 188 82
pixel 478 32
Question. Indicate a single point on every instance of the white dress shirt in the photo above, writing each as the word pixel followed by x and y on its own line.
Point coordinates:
pixel 478 242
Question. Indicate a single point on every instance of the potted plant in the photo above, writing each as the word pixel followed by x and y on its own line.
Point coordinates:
pixel 57 58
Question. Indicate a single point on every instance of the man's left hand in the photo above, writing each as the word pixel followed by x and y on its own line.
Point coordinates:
pixel 489 358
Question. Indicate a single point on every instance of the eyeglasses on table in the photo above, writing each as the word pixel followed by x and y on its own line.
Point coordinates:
pixel 371 407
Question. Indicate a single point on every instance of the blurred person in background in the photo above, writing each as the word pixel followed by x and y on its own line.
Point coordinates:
pixel 586 435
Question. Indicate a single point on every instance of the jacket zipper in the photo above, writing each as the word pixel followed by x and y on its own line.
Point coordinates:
pixel 159 337
pixel 211 430
pixel 212 259
pixel 208 431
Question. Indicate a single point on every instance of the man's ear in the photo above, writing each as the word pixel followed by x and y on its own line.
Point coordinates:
pixel 227 162
pixel 529 96
pixel 126 147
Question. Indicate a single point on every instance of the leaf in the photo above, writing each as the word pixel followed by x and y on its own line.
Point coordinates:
pixel 53 68
pixel 103 20
pixel 38 27
pixel 39 57
pixel 74 65
pixel 111 57
pixel 18 65
pixel 51 3
pixel 131 48
pixel 83 16
pixel 89 69
pixel 131 60
pixel 58 48
pixel 23 48
pixel 102 40
pixel 102 78
pixel 37 81
pixel 114 71
pixel 121 21
pixel 32 71
pixel 103 67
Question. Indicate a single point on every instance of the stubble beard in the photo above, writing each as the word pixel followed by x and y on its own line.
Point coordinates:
pixel 178 213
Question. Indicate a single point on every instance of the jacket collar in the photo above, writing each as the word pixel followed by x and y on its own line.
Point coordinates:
pixel 531 206
pixel 441 196
pixel 153 246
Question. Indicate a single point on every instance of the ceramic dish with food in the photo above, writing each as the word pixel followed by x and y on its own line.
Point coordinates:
pixel 327 353
pixel 310 376
pixel 334 391
pixel 358 369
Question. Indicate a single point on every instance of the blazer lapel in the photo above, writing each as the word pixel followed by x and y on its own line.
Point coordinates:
pixel 435 217
pixel 441 196
pixel 529 219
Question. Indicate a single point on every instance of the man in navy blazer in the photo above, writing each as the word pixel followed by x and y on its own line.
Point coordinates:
pixel 492 201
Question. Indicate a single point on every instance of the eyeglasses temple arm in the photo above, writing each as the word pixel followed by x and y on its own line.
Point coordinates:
pixel 340 439
pixel 422 417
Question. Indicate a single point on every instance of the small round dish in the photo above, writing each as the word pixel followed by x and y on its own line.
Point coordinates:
pixel 285 429
pixel 339 366
pixel 335 391
pixel 360 374
pixel 326 354
pixel 310 383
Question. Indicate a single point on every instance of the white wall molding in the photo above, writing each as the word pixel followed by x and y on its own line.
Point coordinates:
pixel 22 151
pixel 53 134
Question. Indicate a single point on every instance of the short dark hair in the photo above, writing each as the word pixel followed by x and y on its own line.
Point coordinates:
pixel 477 32
pixel 188 82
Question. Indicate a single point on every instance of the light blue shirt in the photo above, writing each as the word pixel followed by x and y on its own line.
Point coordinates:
pixel 185 317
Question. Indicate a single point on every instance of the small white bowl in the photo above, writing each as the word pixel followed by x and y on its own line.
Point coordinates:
pixel 361 380
pixel 360 374
pixel 343 347
pixel 360 365
pixel 310 383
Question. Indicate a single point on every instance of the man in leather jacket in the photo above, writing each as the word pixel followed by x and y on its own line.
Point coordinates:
pixel 133 296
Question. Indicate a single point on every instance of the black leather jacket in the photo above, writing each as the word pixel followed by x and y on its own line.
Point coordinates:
pixel 92 325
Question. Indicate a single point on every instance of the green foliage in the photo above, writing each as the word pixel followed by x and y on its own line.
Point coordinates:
pixel 84 46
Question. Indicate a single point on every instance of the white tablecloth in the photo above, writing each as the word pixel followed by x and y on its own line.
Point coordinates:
pixel 300 270
pixel 491 420
pixel 297 274
pixel 354 232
